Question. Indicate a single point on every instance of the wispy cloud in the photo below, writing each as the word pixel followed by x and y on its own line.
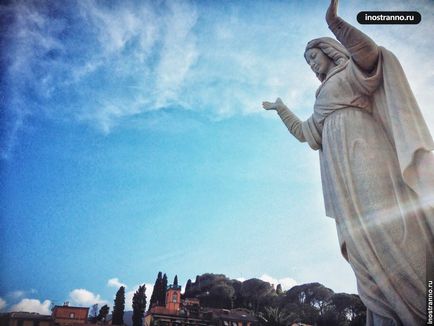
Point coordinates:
pixel 94 63
pixel 178 53
pixel 99 64
pixel 32 305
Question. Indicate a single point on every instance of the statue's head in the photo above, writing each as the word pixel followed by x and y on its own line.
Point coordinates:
pixel 324 53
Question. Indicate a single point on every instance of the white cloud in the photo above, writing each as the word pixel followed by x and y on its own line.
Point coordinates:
pixel 116 27
pixel 83 297
pixel 129 299
pixel 33 305
pixel 148 55
pixel 179 52
pixel 2 304
pixel 285 282
pixel 115 283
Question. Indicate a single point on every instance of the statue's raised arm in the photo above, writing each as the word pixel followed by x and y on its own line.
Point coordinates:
pixel 361 47
pixel 332 11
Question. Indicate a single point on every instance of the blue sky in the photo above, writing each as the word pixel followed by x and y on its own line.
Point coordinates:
pixel 133 141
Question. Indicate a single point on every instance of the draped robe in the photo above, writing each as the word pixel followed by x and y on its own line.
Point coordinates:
pixel 377 174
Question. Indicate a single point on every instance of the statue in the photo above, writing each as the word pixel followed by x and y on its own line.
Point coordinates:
pixel 377 169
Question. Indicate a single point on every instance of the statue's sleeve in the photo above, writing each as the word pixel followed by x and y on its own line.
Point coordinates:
pixel 312 133
pixel 364 51
pixel 292 122
pixel 365 83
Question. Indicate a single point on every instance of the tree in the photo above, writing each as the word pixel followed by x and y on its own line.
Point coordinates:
pixel 187 289
pixel 348 307
pixel 119 307
pixel 279 290
pixel 274 316
pixel 328 318
pixel 213 290
pixel 314 294
pixel 156 292
pixel 175 281
pixel 220 295
pixel 256 294
pixel 103 312
pixel 139 305
pixel 163 290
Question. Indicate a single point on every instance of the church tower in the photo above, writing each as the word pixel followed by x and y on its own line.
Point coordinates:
pixel 173 296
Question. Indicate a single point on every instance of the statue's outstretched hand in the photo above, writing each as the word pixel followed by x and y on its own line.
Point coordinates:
pixel 273 105
pixel 332 11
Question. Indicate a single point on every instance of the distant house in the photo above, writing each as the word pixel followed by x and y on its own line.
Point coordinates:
pixel 25 319
pixel 68 316
pixel 188 312
pixel 226 317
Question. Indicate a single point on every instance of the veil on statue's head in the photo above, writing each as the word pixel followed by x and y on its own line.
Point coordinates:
pixel 331 48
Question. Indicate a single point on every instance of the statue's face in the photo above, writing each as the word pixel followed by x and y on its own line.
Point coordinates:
pixel 318 61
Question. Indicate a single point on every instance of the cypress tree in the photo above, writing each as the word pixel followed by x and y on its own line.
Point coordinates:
pixel 119 307
pixel 103 312
pixel 187 289
pixel 139 305
pixel 163 290
pixel 156 292
pixel 175 281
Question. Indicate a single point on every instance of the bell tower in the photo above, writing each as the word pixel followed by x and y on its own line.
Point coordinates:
pixel 173 298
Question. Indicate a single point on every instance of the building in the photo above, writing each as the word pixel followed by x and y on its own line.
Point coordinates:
pixel 69 316
pixel 175 312
pixel 226 317
pixel 188 312
pixel 25 319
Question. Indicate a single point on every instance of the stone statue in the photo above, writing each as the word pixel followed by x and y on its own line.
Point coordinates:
pixel 377 169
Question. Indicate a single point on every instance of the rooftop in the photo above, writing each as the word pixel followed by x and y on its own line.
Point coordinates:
pixel 25 315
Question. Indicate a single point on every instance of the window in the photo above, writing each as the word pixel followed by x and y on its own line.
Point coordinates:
pixel 71 315
pixel 175 298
